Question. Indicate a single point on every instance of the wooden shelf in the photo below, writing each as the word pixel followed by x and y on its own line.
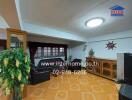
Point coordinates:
pixel 102 67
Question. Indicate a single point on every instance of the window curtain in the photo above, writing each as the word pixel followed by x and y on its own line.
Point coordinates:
pixel 3 44
pixel 32 51
pixel 34 45
pixel 65 52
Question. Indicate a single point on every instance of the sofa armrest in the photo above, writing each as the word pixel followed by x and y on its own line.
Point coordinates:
pixel 40 77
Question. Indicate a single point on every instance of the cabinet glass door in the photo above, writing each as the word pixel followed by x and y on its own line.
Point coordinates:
pixel 16 39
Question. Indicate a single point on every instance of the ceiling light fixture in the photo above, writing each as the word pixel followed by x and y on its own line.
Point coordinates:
pixel 94 22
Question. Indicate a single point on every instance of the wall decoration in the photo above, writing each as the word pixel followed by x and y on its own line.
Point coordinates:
pixel 111 45
pixel 85 47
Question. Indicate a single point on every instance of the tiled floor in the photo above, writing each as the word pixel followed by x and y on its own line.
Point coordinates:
pixel 74 87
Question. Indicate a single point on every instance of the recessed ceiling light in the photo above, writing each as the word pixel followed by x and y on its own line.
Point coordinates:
pixel 94 22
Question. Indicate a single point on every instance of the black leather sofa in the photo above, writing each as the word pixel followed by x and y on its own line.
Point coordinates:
pixel 51 64
pixel 45 67
pixel 38 76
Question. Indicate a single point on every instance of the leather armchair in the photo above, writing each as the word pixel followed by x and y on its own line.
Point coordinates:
pixel 38 76
pixel 75 65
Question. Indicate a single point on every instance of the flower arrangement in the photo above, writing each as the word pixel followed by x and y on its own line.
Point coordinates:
pixel 14 72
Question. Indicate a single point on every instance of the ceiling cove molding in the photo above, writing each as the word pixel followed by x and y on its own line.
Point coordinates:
pixel 40 30
pixel 17 2
pixel 9 13
pixel 3 23
pixel 112 36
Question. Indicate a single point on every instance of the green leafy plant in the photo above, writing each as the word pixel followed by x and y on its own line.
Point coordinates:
pixel 91 53
pixel 14 72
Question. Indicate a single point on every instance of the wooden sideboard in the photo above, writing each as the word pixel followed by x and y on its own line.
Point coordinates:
pixel 103 67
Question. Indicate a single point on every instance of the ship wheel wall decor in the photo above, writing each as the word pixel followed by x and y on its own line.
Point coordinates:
pixel 111 45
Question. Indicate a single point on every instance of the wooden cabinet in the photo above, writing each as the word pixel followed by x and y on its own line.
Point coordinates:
pixel 102 67
pixel 12 38
pixel 16 39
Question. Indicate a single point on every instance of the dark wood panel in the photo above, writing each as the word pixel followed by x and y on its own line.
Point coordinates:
pixel 41 44
pixel 3 44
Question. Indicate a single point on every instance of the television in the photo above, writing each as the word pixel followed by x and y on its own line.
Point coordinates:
pixel 124 68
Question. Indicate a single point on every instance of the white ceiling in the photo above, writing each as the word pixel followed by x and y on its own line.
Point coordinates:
pixel 8 14
pixel 70 15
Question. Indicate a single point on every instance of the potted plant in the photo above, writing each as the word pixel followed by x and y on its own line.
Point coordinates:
pixel 14 72
pixel 91 53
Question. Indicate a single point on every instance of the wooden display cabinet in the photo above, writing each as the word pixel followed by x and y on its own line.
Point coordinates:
pixel 102 67
pixel 16 39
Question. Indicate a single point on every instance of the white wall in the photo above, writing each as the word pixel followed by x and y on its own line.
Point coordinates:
pixel 123 40
pixel 78 52
pixel 3 35
pixel 123 45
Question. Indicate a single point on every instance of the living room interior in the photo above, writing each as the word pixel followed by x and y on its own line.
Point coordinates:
pixel 77 49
